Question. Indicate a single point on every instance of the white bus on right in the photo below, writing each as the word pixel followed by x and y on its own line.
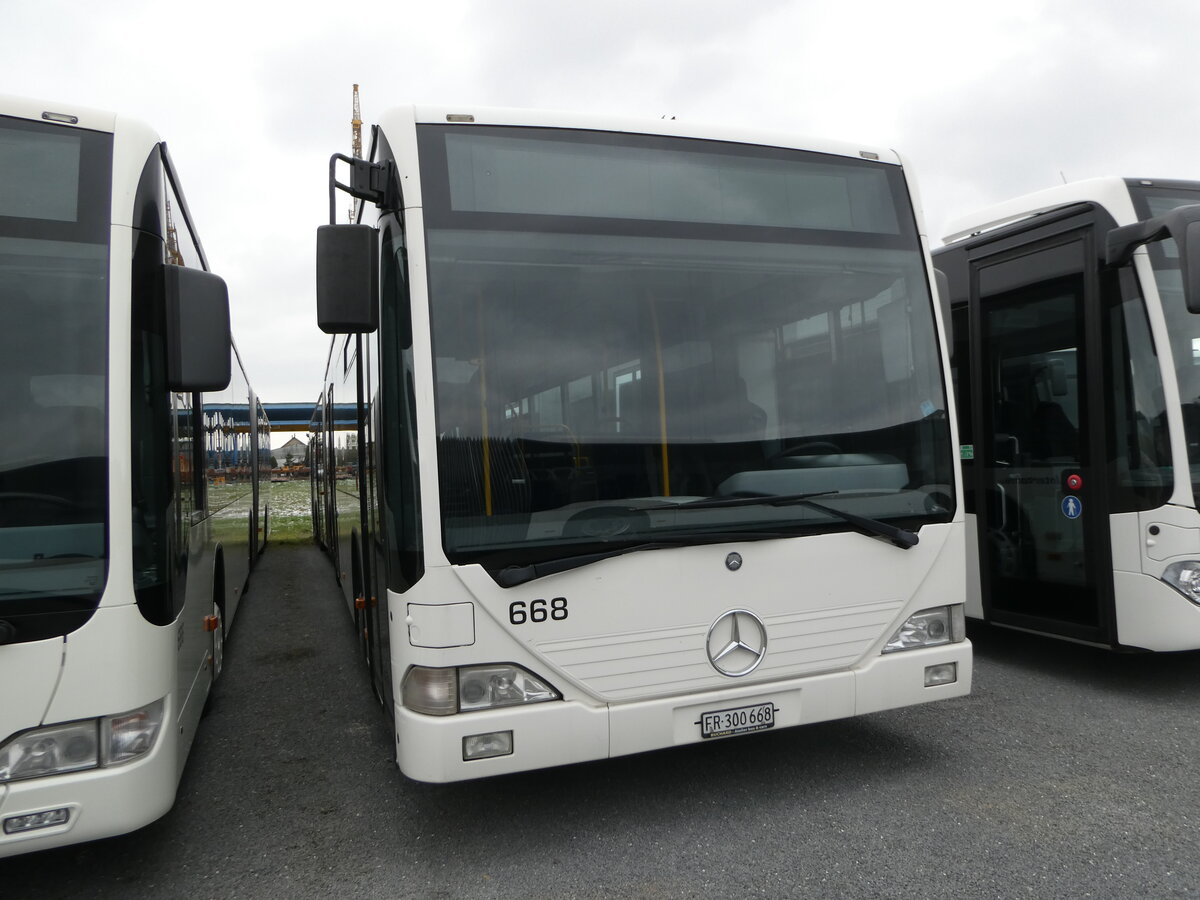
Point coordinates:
pixel 1076 317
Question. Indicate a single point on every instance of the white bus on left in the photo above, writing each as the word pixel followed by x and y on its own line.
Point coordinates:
pixel 129 518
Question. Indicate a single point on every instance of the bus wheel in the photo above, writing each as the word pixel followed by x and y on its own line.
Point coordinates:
pixel 217 658
pixel 218 647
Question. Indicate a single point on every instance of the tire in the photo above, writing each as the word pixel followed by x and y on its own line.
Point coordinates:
pixel 218 651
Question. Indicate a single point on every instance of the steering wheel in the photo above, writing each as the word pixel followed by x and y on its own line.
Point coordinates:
pixel 810 448
pixel 604 522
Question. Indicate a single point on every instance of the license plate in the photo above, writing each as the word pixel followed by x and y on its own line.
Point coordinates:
pixel 740 720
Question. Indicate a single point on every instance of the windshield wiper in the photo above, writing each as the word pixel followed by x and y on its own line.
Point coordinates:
pixel 511 576
pixel 745 498
pixel 901 537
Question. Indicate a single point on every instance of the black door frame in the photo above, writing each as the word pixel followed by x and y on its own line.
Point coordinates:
pixel 1086 227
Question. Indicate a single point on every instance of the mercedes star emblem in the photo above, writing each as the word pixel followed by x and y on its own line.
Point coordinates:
pixel 737 642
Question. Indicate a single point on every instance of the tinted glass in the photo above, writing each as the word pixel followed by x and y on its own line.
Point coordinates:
pixel 39 173
pixel 1139 441
pixel 1183 327
pixel 54 212
pixel 1035 555
pixel 661 180
pixel 622 324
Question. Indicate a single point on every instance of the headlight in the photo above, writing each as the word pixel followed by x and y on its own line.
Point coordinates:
pixel 483 687
pixel 929 628
pixel 51 751
pixel 76 746
pixel 1185 578
pixel 444 692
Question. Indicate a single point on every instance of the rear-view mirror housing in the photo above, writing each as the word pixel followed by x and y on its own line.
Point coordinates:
pixel 347 279
pixel 1183 225
pixel 197 320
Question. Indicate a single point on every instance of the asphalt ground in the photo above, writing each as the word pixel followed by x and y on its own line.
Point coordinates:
pixel 1069 772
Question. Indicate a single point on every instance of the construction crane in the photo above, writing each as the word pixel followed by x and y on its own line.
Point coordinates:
pixel 356 128
pixel 174 257
pixel 355 136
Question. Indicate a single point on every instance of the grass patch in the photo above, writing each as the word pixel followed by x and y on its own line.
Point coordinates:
pixel 291 513
pixel 290 530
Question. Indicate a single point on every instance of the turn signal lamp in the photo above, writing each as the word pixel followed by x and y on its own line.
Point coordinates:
pixel 433 692
pixel 131 735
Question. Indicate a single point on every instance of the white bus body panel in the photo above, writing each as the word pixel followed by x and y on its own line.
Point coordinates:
pixel 1150 613
pixel 115 663
pixel 102 802
pixel 1108 192
pixel 133 143
pixel 974 605
pixel 630 659
pixel 32 108
pixel 561 733
pixel 118 658
pixel 35 667
pixel 1153 615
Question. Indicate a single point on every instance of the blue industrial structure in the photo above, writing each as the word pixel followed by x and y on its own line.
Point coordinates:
pixel 283 416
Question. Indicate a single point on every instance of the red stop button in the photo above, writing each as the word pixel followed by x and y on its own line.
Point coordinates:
pixel 1074 482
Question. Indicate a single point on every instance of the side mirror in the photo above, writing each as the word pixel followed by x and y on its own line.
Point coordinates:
pixel 347 279
pixel 1183 225
pixel 197 318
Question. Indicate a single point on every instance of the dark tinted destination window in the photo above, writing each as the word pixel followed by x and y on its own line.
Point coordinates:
pixel 39 174
pixel 54 181
pixel 600 175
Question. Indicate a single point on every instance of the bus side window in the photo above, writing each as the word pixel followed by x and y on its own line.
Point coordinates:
pixel 1139 446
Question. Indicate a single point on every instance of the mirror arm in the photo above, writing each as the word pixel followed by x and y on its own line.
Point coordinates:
pixel 1121 242
pixel 1183 225
pixel 372 182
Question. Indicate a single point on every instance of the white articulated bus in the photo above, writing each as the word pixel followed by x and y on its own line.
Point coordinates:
pixel 653 442
pixel 129 517
pixel 1077 362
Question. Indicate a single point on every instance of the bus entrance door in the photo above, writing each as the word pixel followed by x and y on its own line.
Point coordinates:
pixel 1042 510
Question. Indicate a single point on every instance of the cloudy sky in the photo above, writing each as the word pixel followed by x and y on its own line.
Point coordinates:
pixel 985 99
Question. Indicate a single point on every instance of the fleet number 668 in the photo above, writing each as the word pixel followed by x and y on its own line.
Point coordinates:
pixel 537 610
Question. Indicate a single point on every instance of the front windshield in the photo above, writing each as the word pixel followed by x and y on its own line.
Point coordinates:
pixel 53 376
pixel 1183 327
pixel 623 325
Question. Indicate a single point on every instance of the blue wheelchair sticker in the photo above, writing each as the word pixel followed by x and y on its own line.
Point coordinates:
pixel 1072 507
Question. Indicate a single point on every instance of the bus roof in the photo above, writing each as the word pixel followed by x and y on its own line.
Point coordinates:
pixel 669 127
pixel 57 112
pixel 1110 192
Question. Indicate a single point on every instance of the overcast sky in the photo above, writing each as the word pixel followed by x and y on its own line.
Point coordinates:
pixel 985 100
